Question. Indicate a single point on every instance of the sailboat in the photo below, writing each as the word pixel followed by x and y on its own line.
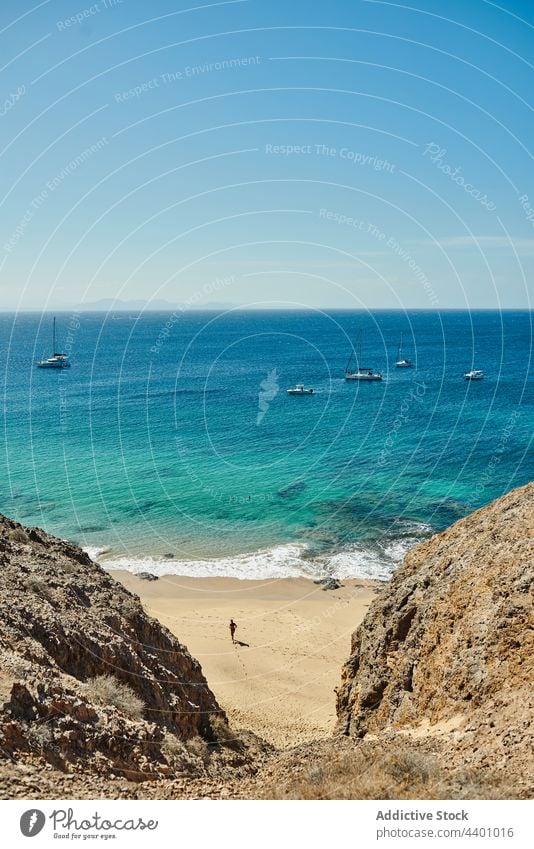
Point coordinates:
pixel 401 362
pixel 361 373
pixel 56 360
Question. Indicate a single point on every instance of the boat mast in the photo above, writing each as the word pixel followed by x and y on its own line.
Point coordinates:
pixel 356 352
pixel 54 337
pixel 400 348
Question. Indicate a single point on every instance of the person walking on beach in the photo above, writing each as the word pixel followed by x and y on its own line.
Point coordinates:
pixel 233 628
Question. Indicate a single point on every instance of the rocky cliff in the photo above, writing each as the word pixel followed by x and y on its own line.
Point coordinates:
pixel 88 682
pixel 447 649
pixel 99 700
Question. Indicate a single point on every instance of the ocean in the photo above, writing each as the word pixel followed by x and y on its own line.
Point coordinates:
pixel 171 444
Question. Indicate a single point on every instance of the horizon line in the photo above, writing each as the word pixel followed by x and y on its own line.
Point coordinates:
pixel 238 307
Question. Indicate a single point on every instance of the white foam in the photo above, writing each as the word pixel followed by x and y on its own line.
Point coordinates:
pixel 358 563
pixel 282 561
pixel 95 553
pixel 397 549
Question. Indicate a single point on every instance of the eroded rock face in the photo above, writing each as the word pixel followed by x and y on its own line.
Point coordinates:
pixel 447 648
pixel 65 622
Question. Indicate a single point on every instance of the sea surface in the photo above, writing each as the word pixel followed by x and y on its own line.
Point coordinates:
pixel 172 445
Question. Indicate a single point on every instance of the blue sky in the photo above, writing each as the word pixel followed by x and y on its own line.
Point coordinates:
pixel 342 154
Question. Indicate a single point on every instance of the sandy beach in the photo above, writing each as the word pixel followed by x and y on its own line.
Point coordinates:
pixel 281 683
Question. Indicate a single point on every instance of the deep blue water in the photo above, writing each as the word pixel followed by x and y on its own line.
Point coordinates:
pixel 151 444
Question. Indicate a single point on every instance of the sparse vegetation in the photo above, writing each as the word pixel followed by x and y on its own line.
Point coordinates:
pixel 222 733
pixel 39 586
pixel 107 690
pixel 172 747
pixel 19 535
pixel 40 735
pixel 404 774
pixel 198 747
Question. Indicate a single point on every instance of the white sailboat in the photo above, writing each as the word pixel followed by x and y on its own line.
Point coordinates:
pixel 402 362
pixel 56 361
pixel 361 373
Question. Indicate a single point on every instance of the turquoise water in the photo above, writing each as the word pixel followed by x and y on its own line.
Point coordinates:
pixel 171 442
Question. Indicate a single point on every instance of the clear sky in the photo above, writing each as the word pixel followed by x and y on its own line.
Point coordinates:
pixel 324 154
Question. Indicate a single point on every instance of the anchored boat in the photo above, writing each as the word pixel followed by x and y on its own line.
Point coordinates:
pixel 361 373
pixel 402 362
pixel 474 374
pixel 299 389
pixel 57 361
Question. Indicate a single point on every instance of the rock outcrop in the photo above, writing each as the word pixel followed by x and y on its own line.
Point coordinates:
pixel 88 681
pixel 446 650
pixel 99 700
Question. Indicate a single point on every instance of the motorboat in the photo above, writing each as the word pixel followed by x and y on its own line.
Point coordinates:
pixel 474 374
pixel 300 389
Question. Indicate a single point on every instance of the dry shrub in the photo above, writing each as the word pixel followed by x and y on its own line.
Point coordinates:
pixel 39 736
pixel 172 747
pixel 198 747
pixel 384 775
pixel 18 535
pixel 39 586
pixel 222 733
pixel 107 690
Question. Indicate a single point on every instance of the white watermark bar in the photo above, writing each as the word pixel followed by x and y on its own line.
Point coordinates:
pixel 240 824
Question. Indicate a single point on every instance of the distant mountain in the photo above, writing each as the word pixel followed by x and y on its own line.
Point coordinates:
pixel 156 305
pixel 117 305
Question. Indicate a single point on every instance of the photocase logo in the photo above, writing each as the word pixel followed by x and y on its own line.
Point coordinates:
pixel 32 822
pixel 269 389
